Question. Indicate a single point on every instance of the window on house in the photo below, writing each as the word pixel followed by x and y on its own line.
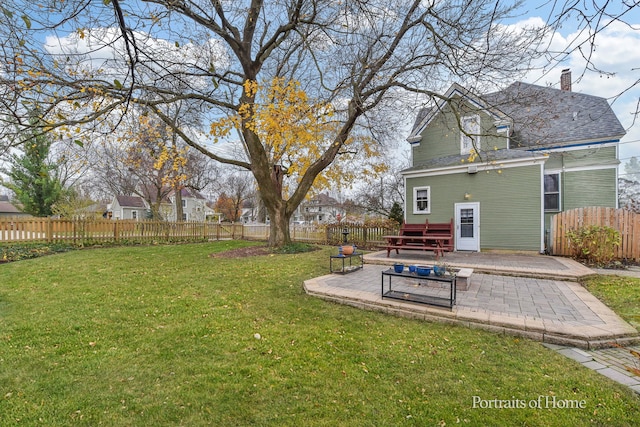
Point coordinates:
pixel 134 215
pixel 552 192
pixel 184 216
pixel 470 126
pixel 421 200
pixel 184 203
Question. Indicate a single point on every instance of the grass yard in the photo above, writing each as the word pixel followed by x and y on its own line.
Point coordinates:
pixel 621 294
pixel 166 335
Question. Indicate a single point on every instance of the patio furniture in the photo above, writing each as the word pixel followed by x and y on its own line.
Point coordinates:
pixel 436 237
pixel 338 264
pixel 432 290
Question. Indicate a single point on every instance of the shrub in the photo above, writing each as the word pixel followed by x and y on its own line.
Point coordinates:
pixel 594 243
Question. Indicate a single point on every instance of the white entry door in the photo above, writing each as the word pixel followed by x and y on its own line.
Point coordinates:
pixel 468 226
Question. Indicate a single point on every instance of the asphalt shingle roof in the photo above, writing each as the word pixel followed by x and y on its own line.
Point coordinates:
pixel 544 116
pixel 131 201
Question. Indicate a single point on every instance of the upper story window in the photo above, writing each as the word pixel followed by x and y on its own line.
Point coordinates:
pixel 552 192
pixel 470 126
pixel 184 203
pixel 421 200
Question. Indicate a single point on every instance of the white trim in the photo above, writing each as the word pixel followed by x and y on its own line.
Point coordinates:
pixel 404 178
pixel 589 168
pixel 586 144
pixel 559 192
pixel 542 213
pixel 463 167
pixel 476 223
pixel 415 200
pixel 617 177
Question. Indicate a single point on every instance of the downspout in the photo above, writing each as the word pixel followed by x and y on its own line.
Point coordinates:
pixel 542 229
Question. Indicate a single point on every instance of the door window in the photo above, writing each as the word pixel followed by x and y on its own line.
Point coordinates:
pixel 466 223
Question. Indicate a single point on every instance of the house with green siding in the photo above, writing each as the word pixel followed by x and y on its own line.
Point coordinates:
pixel 501 164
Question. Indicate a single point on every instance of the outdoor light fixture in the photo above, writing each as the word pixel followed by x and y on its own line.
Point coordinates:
pixel 467 196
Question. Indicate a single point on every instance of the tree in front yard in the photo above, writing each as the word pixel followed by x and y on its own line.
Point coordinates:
pixel 32 176
pixel 358 63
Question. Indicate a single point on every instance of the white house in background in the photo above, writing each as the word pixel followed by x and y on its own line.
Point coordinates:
pixel 320 209
pixel 128 207
pixel 194 206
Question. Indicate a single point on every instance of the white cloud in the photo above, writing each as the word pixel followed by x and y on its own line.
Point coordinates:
pixel 616 54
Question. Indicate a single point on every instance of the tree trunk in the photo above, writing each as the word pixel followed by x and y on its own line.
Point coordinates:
pixel 179 210
pixel 279 227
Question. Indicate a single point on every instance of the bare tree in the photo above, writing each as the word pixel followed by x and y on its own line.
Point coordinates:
pixel 356 58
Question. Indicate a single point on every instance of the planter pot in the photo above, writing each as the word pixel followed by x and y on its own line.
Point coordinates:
pixel 423 271
pixel 439 270
pixel 398 268
pixel 348 250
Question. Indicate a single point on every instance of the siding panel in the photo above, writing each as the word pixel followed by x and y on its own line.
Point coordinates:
pixel 509 204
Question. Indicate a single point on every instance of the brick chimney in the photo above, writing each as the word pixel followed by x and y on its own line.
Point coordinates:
pixel 565 80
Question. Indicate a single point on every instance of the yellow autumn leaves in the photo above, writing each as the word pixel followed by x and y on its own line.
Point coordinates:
pixel 295 130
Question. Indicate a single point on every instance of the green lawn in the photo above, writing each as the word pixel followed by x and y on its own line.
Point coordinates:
pixel 166 335
pixel 621 294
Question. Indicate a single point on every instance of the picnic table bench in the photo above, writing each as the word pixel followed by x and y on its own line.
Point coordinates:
pixel 436 237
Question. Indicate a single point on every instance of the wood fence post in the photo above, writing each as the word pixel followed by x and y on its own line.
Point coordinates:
pixel 49 232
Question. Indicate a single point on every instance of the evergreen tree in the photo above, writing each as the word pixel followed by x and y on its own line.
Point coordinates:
pixel 396 213
pixel 32 177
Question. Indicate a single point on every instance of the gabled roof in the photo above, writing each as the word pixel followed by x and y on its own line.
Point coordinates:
pixel 544 116
pixel 131 202
pixel 150 193
pixel 7 207
pixel 189 193
pixel 323 199
pixel 427 114
pixel 539 116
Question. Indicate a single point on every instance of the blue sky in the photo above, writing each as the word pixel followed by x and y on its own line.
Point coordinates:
pixel 616 52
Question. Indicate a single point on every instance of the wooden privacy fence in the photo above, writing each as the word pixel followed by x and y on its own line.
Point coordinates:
pixel 623 220
pixel 95 231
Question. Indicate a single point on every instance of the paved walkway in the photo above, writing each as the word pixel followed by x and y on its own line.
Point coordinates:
pixel 532 296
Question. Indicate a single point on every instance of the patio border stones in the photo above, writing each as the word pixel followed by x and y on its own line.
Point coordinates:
pixel 530 296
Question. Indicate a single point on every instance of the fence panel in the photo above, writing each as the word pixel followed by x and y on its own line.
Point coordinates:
pixel 82 232
pixel 623 220
pixel 360 235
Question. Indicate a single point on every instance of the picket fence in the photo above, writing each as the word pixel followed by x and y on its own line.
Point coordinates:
pixel 96 231
pixel 623 220
pixel 84 232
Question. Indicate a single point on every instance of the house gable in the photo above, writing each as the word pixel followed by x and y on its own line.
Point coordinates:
pixel 437 131
pixel 542 150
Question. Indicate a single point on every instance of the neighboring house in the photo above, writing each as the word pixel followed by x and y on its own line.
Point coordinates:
pixel 194 206
pixel 8 210
pixel 523 154
pixel 320 209
pixel 249 212
pixel 128 207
